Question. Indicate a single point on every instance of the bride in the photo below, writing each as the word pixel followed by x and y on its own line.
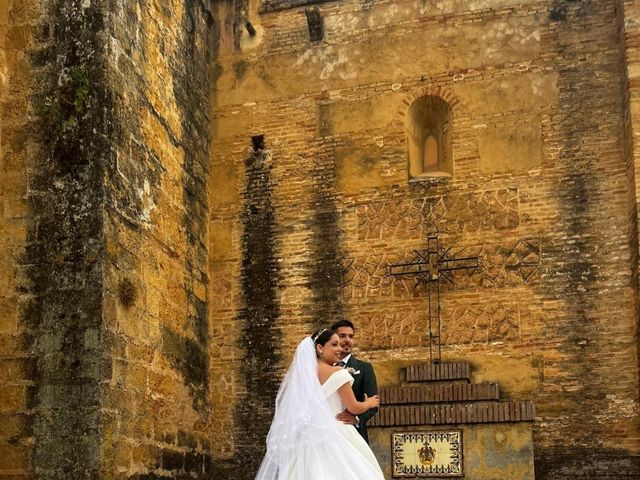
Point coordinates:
pixel 305 441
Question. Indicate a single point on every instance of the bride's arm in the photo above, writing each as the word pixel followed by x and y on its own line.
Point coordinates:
pixel 353 405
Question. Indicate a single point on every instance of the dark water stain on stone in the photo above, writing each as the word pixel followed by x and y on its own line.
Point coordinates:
pixel 571 253
pixel 274 5
pixel 65 248
pixel 191 86
pixel 259 340
pixel 327 260
pixel 324 121
pixel 190 358
pixel 127 293
pixel 558 11
pixel 573 462
pixel 239 70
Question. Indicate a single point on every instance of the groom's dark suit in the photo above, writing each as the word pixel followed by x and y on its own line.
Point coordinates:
pixel 363 382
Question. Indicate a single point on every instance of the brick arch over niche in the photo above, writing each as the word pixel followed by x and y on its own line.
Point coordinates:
pixel 429 134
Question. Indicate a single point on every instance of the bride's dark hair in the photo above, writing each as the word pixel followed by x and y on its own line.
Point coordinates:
pixel 321 337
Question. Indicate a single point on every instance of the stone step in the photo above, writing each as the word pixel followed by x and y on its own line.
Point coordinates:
pixel 439 372
pixel 453 413
pixel 452 392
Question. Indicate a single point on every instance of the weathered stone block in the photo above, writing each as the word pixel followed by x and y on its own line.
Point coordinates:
pixel 14 457
pixel 510 148
pixel 172 459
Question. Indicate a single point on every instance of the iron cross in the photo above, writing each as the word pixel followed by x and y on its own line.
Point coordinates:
pixel 428 267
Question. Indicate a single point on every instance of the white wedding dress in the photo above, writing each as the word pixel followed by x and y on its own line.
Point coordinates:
pixel 361 460
pixel 306 441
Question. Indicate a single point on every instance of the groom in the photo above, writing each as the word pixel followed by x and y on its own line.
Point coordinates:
pixel 364 379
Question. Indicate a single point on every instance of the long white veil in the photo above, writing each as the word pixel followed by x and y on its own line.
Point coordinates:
pixel 302 414
pixel 304 441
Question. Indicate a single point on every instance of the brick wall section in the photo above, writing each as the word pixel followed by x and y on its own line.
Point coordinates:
pixel 450 392
pixel 21 32
pixel 454 414
pixel 440 372
pixel 581 231
pixel 441 394
pixel 628 14
pixel 540 189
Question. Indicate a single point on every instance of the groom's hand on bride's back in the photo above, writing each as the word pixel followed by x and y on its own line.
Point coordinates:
pixel 346 417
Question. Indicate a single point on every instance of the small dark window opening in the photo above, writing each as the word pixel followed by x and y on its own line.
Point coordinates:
pixel 250 28
pixel 315 24
pixel 257 142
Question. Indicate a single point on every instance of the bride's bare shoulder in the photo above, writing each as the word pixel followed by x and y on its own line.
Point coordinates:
pixel 323 367
pixel 325 371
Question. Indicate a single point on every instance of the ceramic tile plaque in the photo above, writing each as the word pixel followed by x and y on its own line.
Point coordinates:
pixel 428 454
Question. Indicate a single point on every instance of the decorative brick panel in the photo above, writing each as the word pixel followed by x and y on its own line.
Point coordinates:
pixel 406 218
pixel 440 372
pixel 513 263
pixel 454 392
pixel 490 321
pixel 455 413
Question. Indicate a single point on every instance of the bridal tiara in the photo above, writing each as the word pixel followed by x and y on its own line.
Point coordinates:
pixel 317 335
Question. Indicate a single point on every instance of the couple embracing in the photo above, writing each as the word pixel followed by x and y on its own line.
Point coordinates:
pixel 318 430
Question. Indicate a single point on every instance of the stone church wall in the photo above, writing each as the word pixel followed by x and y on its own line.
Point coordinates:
pixel 188 187
pixel 53 143
pixel 540 189
pixel 628 12
pixel 19 26
pixel 156 404
pixel 104 321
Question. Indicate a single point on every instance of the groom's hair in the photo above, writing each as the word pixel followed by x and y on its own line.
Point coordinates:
pixel 342 323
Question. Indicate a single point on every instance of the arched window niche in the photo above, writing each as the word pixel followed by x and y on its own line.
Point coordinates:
pixel 429 138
